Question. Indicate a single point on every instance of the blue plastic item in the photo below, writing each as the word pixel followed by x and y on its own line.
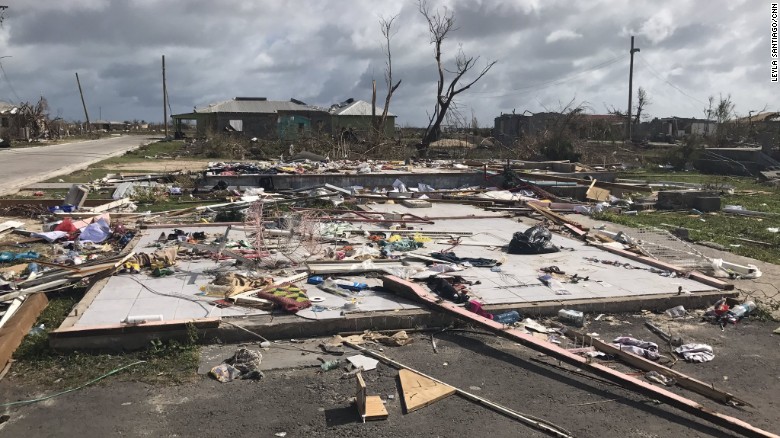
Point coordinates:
pixel 507 318
pixel 315 280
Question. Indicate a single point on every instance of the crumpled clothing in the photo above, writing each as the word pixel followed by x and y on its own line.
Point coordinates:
pixel 97 231
pixel 695 352
pixel 476 262
pixel 646 349
pixel 50 236
pixel 445 289
pixel 476 307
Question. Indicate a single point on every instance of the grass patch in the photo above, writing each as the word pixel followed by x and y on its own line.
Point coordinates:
pixel 37 363
pixel 99 170
pixel 718 227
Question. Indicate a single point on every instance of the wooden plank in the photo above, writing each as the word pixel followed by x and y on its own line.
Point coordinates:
pixel 375 409
pixel 419 391
pixel 110 205
pixel 533 422
pixel 84 303
pixel 370 407
pixel 414 291
pixel 705 389
pixel 19 325
pixel 596 193
pixel 119 328
pixel 604 184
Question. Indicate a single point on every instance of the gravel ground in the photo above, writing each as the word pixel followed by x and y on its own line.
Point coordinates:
pixel 304 402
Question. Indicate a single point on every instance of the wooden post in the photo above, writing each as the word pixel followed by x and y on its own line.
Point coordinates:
pixel 165 99
pixel 81 93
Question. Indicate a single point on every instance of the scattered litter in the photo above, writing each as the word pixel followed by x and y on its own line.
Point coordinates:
pixel 676 312
pixel 364 362
pixel 695 352
pixel 244 364
pixel 646 349
pixel 656 377
pixel 573 317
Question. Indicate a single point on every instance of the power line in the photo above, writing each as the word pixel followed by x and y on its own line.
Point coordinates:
pixel 559 81
pixel 655 73
pixel 5 76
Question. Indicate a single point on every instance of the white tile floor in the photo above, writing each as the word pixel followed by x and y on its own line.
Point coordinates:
pixel 516 283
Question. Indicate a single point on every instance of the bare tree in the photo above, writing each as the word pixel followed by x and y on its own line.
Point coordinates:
pixel 721 113
pixel 642 102
pixel 440 23
pixel 387 32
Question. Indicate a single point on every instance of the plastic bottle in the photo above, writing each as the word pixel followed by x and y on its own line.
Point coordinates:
pixel 329 365
pixel 573 317
pixel 351 285
pixel 507 318
pixel 676 312
pixel 740 310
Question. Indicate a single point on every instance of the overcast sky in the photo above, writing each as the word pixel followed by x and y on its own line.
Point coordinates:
pixel 324 51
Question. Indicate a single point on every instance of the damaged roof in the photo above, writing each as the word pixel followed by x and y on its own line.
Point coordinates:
pixel 8 108
pixel 256 105
pixel 358 108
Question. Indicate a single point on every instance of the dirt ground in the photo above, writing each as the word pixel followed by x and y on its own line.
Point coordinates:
pixel 302 401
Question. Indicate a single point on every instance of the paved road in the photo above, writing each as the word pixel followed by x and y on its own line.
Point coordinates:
pixel 20 167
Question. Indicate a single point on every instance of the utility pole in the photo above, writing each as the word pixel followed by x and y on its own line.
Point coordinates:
pixel 86 115
pixel 630 87
pixel 165 99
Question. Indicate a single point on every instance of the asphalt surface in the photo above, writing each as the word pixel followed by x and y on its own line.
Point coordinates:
pixel 302 401
pixel 23 166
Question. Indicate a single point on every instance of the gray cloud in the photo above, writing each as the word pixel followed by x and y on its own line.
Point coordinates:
pixel 323 51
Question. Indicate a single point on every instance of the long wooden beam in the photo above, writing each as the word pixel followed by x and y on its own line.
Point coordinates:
pixel 602 184
pixel 643 364
pixel 416 292
pixel 535 423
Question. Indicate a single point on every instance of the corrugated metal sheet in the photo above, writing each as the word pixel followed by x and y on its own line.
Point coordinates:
pixel 254 106
pixel 359 108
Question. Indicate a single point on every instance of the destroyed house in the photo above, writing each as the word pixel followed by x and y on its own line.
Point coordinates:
pixel 357 117
pixel 509 127
pixel 9 121
pixel 680 127
pixel 257 117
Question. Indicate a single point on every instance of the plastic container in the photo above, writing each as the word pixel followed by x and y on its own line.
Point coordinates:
pixel 573 317
pixel 507 318
pixel 315 280
pixel 740 310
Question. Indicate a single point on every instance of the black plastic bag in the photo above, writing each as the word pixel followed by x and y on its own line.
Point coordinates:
pixel 535 240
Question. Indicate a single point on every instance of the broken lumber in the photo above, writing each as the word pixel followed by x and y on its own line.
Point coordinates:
pixel 534 422
pixel 420 391
pixel 585 182
pixel 416 292
pixel 19 325
pixel 643 364
pixel 370 407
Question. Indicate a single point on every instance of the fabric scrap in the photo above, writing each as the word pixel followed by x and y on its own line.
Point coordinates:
pixel 695 352
pixel 646 349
